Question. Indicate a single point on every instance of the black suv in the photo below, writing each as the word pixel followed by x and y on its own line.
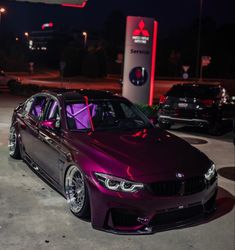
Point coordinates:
pixel 196 104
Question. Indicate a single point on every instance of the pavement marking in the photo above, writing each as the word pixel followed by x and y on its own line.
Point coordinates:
pixel 4 125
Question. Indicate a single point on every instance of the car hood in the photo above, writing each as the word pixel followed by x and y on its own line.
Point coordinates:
pixel 144 153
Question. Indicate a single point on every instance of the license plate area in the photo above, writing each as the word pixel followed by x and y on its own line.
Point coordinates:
pixel 182 105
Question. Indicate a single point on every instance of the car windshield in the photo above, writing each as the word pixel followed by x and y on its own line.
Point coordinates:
pixel 104 115
pixel 194 91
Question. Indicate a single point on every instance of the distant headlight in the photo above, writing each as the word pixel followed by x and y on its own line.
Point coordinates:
pixel 211 172
pixel 118 184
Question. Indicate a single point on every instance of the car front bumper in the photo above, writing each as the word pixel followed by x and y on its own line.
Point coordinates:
pixel 144 213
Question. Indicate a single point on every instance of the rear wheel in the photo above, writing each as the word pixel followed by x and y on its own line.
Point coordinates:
pixel 77 193
pixel 13 144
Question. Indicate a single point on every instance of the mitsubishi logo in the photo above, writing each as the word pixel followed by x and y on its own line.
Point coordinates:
pixel 141 30
pixel 141 35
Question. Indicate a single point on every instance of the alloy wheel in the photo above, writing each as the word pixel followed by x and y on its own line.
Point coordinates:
pixel 12 141
pixel 75 189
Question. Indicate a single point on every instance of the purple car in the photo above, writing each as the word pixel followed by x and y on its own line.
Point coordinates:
pixel 111 163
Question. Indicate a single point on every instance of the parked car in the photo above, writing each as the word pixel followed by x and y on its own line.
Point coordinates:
pixel 5 80
pixel 111 163
pixel 196 104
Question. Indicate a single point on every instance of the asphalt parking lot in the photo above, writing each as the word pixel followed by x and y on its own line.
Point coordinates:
pixel 34 216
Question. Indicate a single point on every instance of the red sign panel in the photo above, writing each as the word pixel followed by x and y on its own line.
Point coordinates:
pixel 67 3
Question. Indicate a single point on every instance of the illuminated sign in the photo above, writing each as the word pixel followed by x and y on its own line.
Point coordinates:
pixel 82 5
pixel 67 3
pixel 205 60
pixel 139 59
pixel 47 25
pixel 140 35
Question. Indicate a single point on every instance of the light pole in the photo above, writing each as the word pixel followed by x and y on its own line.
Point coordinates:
pixel 85 38
pixel 198 62
pixel 26 34
pixel 2 11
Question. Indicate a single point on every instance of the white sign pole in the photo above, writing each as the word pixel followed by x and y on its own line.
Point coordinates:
pixel 139 59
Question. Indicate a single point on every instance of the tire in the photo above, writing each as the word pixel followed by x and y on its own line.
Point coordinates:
pixel 164 125
pixel 13 144
pixel 77 193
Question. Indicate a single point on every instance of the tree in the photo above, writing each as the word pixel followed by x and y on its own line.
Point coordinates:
pixel 114 37
pixel 13 54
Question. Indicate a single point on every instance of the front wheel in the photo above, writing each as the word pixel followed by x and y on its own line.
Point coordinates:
pixel 13 144
pixel 77 193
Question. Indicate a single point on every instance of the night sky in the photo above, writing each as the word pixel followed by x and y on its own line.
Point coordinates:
pixel 171 14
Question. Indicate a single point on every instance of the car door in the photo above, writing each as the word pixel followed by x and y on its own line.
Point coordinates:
pixel 50 142
pixel 28 125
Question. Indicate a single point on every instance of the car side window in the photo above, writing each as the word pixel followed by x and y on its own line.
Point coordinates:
pixel 78 115
pixel 38 106
pixel 53 112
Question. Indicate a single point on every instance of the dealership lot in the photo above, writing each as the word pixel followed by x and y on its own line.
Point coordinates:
pixel 33 215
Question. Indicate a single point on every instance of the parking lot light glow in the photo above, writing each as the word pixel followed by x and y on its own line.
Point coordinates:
pixel 2 10
pixel 85 38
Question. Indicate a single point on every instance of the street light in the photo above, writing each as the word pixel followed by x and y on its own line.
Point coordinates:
pixel 26 34
pixel 2 11
pixel 85 38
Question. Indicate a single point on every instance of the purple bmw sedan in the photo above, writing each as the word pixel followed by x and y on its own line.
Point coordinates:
pixel 111 163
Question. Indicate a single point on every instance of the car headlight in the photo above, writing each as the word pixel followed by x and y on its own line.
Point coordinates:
pixel 118 184
pixel 210 173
